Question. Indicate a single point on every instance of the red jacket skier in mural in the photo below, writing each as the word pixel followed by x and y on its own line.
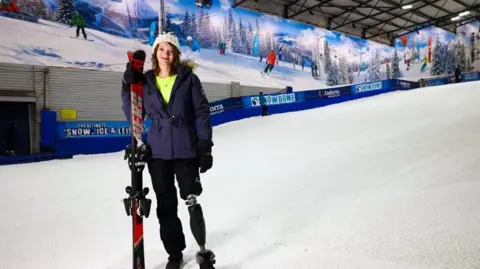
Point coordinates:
pixel 271 60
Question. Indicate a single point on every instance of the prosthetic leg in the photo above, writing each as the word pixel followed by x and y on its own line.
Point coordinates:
pixel 205 258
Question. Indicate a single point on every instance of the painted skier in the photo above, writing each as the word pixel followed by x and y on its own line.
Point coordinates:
pixel 271 60
pixel 424 65
pixel 194 46
pixel 78 21
pixel 222 47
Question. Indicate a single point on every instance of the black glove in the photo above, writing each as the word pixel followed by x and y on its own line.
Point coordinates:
pixel 205 158
pixel 131 76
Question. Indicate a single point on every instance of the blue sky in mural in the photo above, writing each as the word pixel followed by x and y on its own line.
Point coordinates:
pixel 421 38
pixel 289 30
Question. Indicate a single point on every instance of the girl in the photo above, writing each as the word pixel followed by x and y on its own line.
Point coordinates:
pixel 180 143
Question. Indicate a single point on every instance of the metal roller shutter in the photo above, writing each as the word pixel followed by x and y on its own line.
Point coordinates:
pixel 253 90
pixel 217 91
pixel 17 77
pixel 94 94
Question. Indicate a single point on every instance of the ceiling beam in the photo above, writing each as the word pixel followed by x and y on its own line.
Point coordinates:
pixel 308 8
pixel 364 18
pixel 386 12
pixel 405 13
pixel 292 3
pixel 417 12
pixel 236 4
pixel 357 6
pixel 448 22
pixel 427 24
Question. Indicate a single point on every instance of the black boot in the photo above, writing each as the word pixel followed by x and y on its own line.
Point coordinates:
pixel 174 262
pixel 206 259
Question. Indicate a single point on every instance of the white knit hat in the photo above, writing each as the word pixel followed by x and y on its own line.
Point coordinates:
pixel 169 37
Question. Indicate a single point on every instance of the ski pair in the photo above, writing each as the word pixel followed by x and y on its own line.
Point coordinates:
pixel 137 205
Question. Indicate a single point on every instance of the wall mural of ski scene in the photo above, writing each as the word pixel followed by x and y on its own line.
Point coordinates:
pixel 468 35
pixel 430 52
pixel 227 44
pixel 273 50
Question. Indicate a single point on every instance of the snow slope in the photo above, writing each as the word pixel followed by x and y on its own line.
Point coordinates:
pixel 389 182
pixel 50 43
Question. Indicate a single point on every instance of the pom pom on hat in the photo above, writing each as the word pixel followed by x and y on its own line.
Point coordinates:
pixel 168 37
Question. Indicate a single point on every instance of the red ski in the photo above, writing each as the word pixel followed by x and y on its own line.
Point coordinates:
pixel 137 205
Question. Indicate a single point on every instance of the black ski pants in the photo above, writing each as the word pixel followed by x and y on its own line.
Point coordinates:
pixel 163 174
pixel 268 68
pixel 264 110
pixel 83 31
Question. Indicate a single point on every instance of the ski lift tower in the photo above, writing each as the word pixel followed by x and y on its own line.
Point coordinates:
pixel 362 51
pixel 319 60
pixel 161 17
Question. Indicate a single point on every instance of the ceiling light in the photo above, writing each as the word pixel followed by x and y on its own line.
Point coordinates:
pixel 464 13
pixel 455 18
pixel 407 7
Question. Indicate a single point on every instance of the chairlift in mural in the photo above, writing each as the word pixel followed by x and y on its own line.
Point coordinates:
pixel 203 3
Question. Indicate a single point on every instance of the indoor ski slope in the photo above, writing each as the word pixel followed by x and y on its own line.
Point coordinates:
pixel 387 182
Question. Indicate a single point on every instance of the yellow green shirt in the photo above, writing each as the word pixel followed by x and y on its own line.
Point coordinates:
pixel 165 86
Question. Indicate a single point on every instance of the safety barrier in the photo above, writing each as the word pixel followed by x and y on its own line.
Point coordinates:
pixel 111 136
pixel 448 79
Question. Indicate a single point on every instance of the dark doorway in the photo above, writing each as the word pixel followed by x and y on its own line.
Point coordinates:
pixel 14 128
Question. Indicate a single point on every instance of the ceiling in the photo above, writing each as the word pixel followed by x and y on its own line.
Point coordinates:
pixel 377 20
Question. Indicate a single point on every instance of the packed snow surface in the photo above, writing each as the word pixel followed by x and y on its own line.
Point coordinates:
pixel 388 182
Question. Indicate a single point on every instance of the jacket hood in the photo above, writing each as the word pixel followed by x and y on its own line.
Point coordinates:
pixel 186 66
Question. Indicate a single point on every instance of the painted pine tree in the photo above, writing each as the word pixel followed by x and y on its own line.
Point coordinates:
pixel 231 31
pixel 186 24
pixel 343 71
pixel 388 71
pixel 330 72
pixel 335 74
pixel 244 45
pixel 437 61
pixel 350 73
pixel 450 62
pixel 250 38
pixel 205 32
pixel 395 66
pixel 374 72
pixel 225 30
pixel 193 27
pixel 64 12
pixel 460 55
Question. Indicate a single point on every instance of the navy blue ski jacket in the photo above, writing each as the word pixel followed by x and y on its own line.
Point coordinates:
pixel 178 126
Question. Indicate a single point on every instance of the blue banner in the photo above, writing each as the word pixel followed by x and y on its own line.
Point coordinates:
pixel 372 86
pixel 226 104
pixel 273 99
pixel 436 81
pixel 78 129
pixel 470 77
pixel 404 84
pixel 327 93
